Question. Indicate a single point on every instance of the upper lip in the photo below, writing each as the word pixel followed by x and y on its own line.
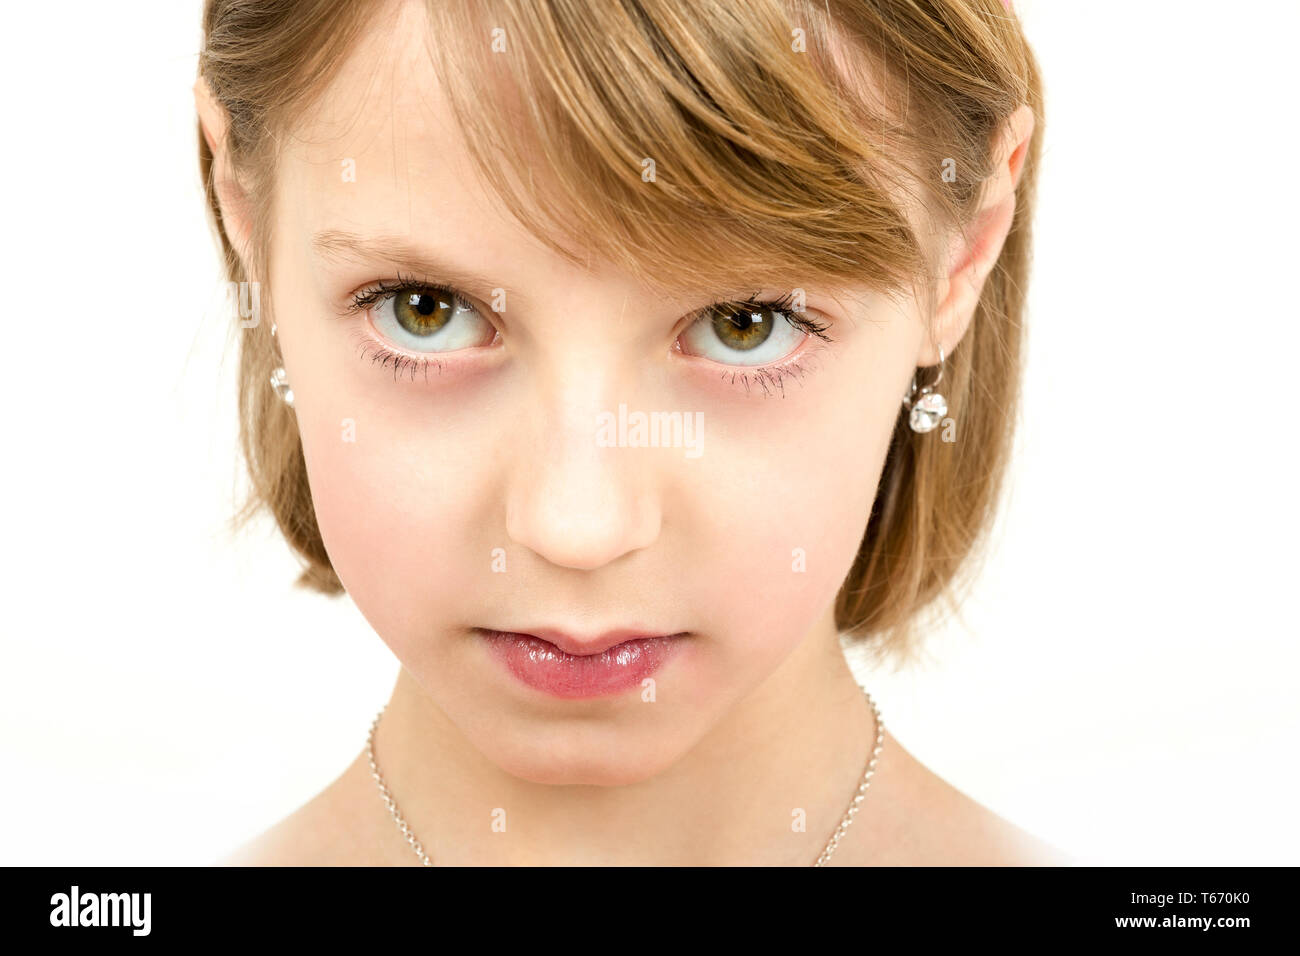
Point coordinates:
pixel 585 646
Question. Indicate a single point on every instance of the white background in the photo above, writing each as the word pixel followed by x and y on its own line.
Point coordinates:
pixel 1124 681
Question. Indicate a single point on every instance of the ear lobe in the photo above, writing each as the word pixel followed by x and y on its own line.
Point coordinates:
pixel 231 196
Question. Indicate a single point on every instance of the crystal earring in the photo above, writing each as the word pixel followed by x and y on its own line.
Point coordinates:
pixel 927 406
pixel 280 379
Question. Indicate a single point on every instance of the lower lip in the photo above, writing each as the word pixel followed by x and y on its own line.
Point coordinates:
pixel 543 666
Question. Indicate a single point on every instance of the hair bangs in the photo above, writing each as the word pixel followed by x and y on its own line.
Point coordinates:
pixel 696 146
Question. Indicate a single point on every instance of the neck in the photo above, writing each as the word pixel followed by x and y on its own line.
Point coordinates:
pixel 793 748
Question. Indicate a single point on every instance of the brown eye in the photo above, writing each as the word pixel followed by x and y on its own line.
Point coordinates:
pixel 743 328
pixel 425 319
pixel 743 333
pixel 423 313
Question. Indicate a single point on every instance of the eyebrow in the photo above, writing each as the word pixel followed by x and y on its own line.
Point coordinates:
pixel 396 251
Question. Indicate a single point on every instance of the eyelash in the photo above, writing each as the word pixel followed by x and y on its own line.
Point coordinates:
pixel 368 296
pixel 770 378
pixel 381 355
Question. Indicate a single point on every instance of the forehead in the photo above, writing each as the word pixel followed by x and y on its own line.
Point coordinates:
pixel 380 151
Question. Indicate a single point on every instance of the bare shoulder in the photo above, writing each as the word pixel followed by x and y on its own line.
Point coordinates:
pixel 327 830
pixel 929 822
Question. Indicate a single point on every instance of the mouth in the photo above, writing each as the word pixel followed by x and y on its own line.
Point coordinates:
pixel 565 666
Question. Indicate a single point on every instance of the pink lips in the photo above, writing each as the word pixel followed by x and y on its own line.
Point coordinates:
pixel 567 667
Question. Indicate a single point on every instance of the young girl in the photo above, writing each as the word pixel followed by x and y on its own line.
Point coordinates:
pixel 619 360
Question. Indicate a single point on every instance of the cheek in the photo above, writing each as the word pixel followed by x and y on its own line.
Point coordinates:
pixel 783 525
pixel 393 512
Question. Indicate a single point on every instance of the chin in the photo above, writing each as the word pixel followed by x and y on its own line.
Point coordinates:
pixel 611 763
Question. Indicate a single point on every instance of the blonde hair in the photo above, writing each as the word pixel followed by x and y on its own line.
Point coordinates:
pixel 789 140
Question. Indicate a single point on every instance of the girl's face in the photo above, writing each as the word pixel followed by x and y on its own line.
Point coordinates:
pixel 466 464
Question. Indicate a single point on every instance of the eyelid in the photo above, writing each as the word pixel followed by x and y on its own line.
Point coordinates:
pixel 795 365
pixel 385 355
pixel 807 346
pixel 383 289
pixel 781 304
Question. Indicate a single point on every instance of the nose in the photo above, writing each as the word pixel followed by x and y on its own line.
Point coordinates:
pixel 572 501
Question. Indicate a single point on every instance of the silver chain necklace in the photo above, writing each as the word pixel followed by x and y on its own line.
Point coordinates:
pixel 831 844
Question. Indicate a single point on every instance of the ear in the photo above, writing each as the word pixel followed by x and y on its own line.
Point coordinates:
pixel 236 211
pixel 970 259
